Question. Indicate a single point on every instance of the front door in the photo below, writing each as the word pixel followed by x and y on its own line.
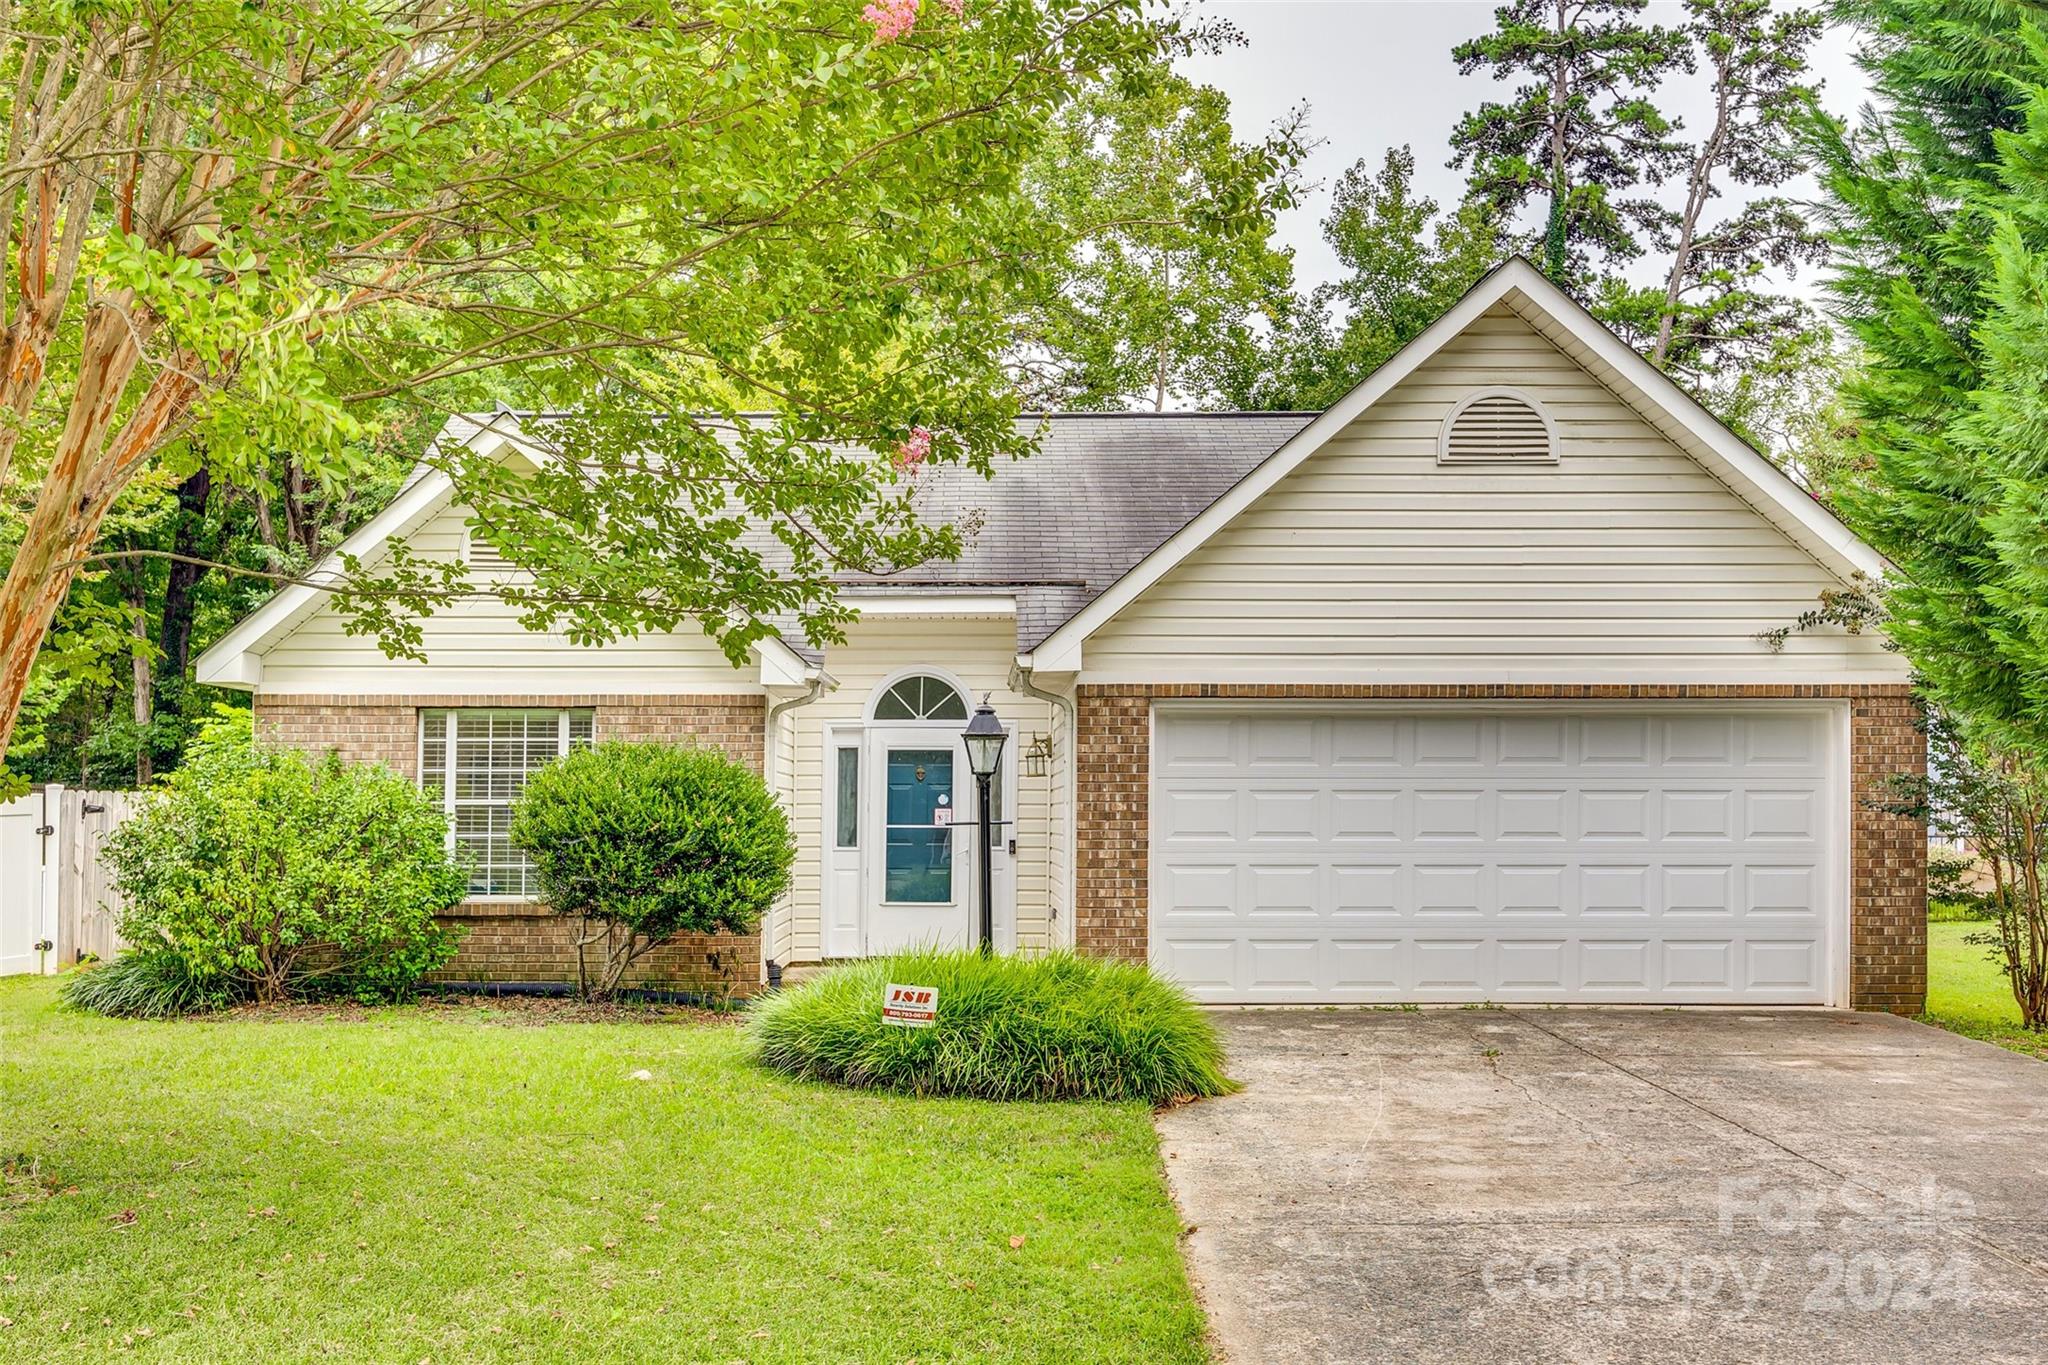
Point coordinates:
pixel 919 861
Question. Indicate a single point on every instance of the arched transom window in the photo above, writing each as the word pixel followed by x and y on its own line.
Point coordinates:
pixel 921 697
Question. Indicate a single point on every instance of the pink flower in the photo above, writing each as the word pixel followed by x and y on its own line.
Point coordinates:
pixel 892 18
pixel 957 7
pixel 915 450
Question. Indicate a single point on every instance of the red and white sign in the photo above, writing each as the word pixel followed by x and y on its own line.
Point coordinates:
pixel 910 1006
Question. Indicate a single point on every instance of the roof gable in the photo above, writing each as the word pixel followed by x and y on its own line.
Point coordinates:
pixel 1519 286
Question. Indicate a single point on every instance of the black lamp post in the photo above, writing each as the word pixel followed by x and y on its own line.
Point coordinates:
pixel 984 738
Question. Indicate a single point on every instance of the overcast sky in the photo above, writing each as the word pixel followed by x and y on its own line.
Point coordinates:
pixel 1378 73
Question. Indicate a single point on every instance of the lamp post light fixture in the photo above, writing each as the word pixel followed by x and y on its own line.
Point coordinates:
pixel 984 738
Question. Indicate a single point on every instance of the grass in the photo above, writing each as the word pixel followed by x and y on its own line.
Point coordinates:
pixel 1059 1026
pixel 1967 994
pixel 451 1182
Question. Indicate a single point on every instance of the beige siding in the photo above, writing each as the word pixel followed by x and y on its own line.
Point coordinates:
pixel 978 652
pixel 481 647
pixel 1625 562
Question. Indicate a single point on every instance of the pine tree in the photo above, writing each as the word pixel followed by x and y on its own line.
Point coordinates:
pixel 1406 262
pixel 1580 131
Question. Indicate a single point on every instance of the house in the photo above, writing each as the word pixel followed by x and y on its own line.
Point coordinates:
pixel 1453 692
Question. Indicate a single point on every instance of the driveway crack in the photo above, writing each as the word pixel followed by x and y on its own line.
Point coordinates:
pixel 1961 1234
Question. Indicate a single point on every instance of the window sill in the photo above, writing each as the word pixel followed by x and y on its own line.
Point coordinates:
pixel 496 907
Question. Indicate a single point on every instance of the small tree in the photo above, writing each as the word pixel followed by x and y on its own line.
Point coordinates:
pixel 277 875
pixel 645 841
pixel 1997 801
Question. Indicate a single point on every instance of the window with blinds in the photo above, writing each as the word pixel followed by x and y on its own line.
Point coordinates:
pixel 478 761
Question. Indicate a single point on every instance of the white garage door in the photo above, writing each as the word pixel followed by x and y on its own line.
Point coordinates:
pixel 1658 856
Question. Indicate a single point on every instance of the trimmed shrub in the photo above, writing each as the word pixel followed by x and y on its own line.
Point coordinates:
pixel 144 983
pixel 1059 1027
pixel 644 841
pixel 272 875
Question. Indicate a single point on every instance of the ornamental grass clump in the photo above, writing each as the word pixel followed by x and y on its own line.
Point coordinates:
pixel 1058 1027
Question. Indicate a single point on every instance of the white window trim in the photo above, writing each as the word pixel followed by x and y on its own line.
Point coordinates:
pixel 1443 438
pixel 562 715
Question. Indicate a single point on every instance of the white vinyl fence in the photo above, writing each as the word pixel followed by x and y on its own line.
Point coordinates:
pixel 56 906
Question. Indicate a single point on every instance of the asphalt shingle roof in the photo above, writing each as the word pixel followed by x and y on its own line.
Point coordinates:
pixel 1103 491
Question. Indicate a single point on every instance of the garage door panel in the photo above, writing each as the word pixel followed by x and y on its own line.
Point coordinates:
pixel 1539 814
pixel 1783 964
pixel 1281 965
pixel 1293 891
pixel 1699 889
pixel 1365 742
pixel 1451 964
pixel 1781 815
pixel 1449 816
pixel 1525 890
pixel 1697 814
pixel 1533 742
pixel 1186 816
pixel 1557 856
pixel 1366 815
pixel 1281 816
pixel 1372 967
pixel 1534 965
pixel 1700 964
pixel 1367 889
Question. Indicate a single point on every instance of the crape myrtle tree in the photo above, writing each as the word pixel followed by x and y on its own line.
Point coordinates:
pixel 235 229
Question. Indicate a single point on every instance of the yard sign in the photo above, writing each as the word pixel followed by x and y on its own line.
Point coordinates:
pixel 910 1006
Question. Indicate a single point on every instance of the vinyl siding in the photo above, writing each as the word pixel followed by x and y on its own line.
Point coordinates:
pixel 480 647
pixel 980 653
pixel 1626 562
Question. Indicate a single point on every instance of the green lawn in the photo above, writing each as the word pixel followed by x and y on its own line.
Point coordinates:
pixel 454 1182
pixel 1966 993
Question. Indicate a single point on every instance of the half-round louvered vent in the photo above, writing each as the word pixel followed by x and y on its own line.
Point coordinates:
pixel 486 557
pixel 1498 427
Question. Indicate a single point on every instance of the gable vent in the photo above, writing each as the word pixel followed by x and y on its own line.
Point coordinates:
pixel 481 554
pixel 1497 427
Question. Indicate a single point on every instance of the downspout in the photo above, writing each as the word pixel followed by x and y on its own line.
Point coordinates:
pixel 820 680
pixel 1020 681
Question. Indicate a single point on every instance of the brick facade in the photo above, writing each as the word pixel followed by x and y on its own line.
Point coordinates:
pixel 1887 853
pixel 512 941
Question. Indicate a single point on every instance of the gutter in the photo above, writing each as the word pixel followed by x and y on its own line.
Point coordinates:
pixel 1020 681
pixel 819 683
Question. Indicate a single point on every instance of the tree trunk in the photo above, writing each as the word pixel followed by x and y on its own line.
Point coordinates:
pixel 83 479
pixel 189 541
pixel 138 600
pixel 1554 236
pixel 1698 189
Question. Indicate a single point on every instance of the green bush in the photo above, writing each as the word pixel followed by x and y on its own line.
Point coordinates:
pixel 273 875
pixel 145 983
pixel 1059 1027
pixel 647 841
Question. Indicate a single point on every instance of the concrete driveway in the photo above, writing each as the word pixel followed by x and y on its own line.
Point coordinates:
pixel 1536 1185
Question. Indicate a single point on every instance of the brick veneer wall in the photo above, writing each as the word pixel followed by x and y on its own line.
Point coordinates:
pixel 516 941
pixel 1887 853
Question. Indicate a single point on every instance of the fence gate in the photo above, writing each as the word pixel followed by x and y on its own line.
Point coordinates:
pixel 56 906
